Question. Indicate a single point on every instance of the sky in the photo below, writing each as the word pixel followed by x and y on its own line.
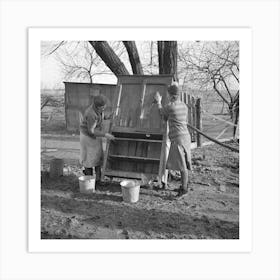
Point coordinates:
pixel 77 52
pixel 52 76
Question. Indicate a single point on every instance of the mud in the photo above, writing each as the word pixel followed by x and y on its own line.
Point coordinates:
pixel 210 211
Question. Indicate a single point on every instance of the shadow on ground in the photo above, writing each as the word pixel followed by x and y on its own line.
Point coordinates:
pixel 156 215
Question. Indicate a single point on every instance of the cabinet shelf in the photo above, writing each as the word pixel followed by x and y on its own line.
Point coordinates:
pixel 122 157
pixel 127 174
pixel 138 140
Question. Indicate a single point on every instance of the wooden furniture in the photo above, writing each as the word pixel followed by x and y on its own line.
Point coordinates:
pixel 139 148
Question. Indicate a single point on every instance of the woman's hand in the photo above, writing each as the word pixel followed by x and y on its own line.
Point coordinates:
pixel 109 116
pixel 157 98
pixel 109 136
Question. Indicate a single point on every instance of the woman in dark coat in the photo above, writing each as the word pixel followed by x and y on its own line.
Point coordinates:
pixel 91 133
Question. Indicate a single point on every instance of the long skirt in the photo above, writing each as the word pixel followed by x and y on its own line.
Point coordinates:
pixel 91 152
pixel 179 157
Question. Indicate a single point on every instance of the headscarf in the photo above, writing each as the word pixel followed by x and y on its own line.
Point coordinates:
pixel 173 89
pixel 99 100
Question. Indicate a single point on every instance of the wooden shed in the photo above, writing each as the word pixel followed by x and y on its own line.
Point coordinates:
pixel 78 96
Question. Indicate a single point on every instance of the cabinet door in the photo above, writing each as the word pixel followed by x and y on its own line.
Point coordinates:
pixel 150 119
pixel 135 110
pixel 128 106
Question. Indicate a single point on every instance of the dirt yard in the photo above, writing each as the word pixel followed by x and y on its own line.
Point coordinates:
pixel 210 211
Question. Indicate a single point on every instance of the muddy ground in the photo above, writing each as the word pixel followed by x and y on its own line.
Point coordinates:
pixel 210 211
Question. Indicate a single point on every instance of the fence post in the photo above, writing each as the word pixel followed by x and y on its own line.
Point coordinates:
pixel 190 114
pixel 198 120
pixel 193 114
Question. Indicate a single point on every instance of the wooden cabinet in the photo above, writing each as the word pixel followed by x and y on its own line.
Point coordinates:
pixel 139 148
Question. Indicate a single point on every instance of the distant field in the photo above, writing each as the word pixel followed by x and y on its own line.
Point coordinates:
pixel 53 115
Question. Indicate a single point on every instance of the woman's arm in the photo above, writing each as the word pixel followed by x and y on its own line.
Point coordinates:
pixel 162 110
pixel 91 125
pixel 93 132
pixel 108 116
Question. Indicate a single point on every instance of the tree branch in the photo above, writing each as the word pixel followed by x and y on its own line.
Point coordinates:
pixel 57 47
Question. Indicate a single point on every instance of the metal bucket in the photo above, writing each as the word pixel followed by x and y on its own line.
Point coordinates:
pixel 130 190
pixel 87 184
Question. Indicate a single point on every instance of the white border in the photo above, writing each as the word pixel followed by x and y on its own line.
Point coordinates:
pixel 243 244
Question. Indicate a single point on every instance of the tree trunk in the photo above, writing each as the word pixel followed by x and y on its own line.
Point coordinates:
pixel 133 57
pixel 167 55
pixel 236 117
pixel 160 45
pixel 110 58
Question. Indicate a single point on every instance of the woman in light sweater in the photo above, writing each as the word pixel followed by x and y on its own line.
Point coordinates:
pixel 179 157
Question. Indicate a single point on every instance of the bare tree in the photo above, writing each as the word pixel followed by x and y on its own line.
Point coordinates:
pixel 79 61
pixel 167 57
pixel 134 57
pixel 167 61
pixel 110 58
pixel 149 57
pixel 214 65
pixel 118 56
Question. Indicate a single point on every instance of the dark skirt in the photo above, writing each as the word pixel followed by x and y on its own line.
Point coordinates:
pixel 179 157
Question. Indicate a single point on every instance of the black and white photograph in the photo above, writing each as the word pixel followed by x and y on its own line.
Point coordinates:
pixel 140 139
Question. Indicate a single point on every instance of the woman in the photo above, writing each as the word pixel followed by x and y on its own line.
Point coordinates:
pixel 176 113
pixel 91 133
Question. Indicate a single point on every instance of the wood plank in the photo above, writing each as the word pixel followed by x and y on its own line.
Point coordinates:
pixel 127 174
pixel 119 128
pixel 193 112
pixel 121 149
pixel 153 151
pixel 163 156
pixel 134 158
pixel 149 79
pixel 140 120
pixel 105 160
pixel 189 110
pixel 213 139
pixel 198 121
pixel 131 147
pixel 116 106
pixel 139 149
pixel 138 139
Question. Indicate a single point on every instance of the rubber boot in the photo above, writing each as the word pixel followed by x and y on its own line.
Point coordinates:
pixel 98 176
pixel 185 183
pixel 97 173
pixel 88 171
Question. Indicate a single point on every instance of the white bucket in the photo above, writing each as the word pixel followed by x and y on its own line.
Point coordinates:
pixel 130 190
pixel 87 184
